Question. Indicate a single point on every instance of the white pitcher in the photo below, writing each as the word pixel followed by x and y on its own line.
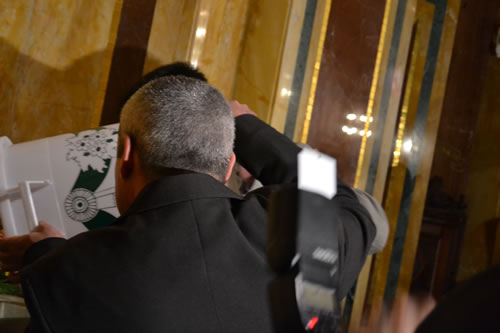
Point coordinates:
pixel 66 180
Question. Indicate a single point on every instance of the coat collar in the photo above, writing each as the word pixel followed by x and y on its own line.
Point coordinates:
pixel 178 188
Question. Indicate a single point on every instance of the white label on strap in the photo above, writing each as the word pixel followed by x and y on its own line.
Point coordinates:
pixel 317 173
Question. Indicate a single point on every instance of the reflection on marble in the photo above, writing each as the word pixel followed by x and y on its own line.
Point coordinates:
pixel 52 58
pixel 200 31
pixel 345 79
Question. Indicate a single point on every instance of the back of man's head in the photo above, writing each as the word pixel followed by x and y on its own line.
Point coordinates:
pixel 176 122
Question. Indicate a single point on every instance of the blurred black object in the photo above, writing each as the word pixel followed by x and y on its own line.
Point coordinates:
pixel 303 250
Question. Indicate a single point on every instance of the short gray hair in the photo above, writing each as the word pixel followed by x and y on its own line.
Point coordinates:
pixel 181 123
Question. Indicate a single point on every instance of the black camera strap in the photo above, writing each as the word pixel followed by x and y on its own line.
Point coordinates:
pixel 318 262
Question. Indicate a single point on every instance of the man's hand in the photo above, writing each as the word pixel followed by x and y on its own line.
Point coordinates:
pixel 12 249
pixel 405 316
pixel 240 109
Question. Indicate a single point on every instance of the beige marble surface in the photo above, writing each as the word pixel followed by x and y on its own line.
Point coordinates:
pixel 221 41
pixel 52 58
pixel 294 27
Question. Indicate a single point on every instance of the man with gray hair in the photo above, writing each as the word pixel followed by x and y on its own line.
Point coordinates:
pixel 187 253
pixel 178 123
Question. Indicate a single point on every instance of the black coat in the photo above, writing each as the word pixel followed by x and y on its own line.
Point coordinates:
pixel 188 256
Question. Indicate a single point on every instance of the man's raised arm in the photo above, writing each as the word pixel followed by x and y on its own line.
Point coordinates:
pixel 268 155
pixel 272 159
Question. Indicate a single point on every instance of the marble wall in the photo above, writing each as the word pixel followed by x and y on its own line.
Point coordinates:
pixel 67 65
pixel 172 29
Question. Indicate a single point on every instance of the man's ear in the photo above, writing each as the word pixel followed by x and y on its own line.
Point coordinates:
pixel 127 159
pixel 232 161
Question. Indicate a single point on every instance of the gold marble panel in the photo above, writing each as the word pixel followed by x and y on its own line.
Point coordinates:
pixel 172 30
pixel 222 41
pixel 53 55
pixel 429 143
pixel 261 55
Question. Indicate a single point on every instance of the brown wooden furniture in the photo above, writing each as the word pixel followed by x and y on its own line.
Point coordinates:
pixel 438 251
